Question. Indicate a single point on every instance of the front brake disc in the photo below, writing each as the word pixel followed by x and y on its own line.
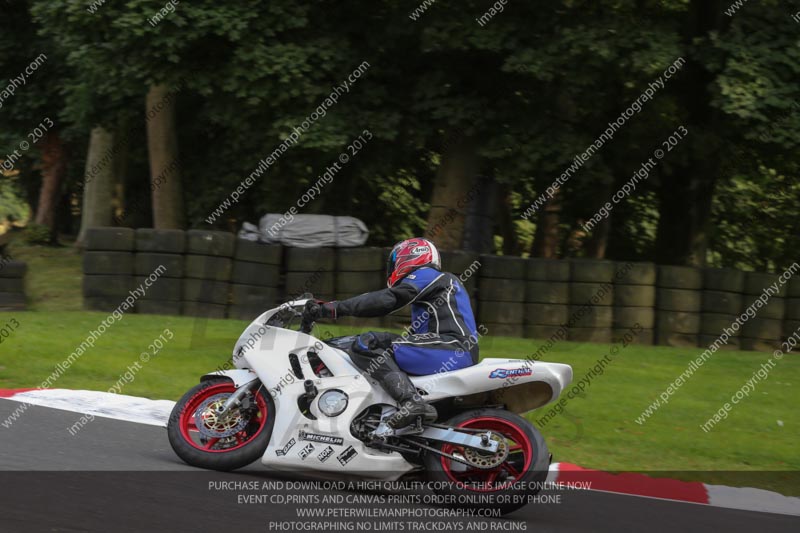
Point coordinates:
pixel 212 425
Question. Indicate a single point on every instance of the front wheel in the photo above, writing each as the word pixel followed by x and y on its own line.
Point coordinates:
pixel 504 480
pixel 202 438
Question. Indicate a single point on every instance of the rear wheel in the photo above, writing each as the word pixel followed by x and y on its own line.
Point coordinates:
pixel 202 438
pixel 502 480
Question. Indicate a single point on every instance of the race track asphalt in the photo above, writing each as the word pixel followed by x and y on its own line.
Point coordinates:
pixel 121 476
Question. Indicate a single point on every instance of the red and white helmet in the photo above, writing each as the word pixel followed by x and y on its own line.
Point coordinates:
pixel 408 256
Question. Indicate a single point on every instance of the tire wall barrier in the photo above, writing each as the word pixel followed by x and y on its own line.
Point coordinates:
pixel 764 332
pixel 108 268
pixel 546 297
pixel 12 284
pixel 678 305
pixel 501 294
pixel 791 322
pixel 255 279
pixel 722 302
pixel 153 249
pixel 634 301
pixel 591 299
pixel 214 274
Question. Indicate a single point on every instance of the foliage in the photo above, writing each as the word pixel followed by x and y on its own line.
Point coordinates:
pixel 758 223
pixel 12 207
pixel 534 87
pixel 37 234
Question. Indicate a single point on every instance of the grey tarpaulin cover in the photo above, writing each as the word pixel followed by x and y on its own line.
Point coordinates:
pixel 307 231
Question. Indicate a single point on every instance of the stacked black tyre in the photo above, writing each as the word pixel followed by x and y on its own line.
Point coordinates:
pixel 207 272
pixel 634 302
pixel 721 306
pixel 12 284
pixel 591 298
pixel 763 333
pixel 255 279
pixel 501 294
pixel 310 270
pixel 359 270
pixel 678 302
pixel 159 252
pixel 791 323
pixel 107 268
pixel 546 297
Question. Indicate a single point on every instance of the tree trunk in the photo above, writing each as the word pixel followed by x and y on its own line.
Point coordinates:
pixel 99 183
pixel 506 222
pixel 119 200
pixel 595 246
pixel 685 195
pixel 451 192
pixel 479 227
pixel 546 237
pixel 54 166
pixel 162 146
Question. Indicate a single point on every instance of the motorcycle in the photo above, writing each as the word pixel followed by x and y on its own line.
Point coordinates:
pixel 299 404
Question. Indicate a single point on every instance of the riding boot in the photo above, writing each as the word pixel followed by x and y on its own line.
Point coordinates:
pixel 410 403
pixel 380 365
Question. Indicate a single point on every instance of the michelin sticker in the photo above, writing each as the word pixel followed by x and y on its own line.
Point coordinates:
pixel 324 439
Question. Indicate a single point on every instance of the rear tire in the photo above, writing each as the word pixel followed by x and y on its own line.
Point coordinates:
pixel 506 487
pixel 224 454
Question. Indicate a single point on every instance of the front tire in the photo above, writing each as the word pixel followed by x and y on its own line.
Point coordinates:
pixel 201 439
pixel 507 487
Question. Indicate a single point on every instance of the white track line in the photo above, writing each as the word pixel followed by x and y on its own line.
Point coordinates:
pixel 103 404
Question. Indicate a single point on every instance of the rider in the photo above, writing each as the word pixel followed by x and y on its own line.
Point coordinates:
pixel 442 336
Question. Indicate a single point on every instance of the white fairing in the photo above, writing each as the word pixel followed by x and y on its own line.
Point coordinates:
pixel 263 351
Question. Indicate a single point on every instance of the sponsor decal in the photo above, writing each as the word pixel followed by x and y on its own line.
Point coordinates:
pixel 347 455
pixel 502 373
pixel 420 250
pixel 326 454
pixel 306 451
pixel 283 451
pixel 324 439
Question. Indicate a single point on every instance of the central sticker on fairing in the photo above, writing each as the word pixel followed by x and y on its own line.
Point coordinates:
pixel 502 373
pixel 325 455
pixel 306 451
pixel 283 451
pixel 347 455
pixel 324 439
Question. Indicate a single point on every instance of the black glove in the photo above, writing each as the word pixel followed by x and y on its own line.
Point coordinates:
pixel 316 309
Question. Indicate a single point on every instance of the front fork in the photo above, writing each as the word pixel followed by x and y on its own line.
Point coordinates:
pixel 236 398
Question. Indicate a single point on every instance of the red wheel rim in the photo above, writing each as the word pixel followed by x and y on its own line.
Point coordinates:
pixel 192 435
pixel 520 456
